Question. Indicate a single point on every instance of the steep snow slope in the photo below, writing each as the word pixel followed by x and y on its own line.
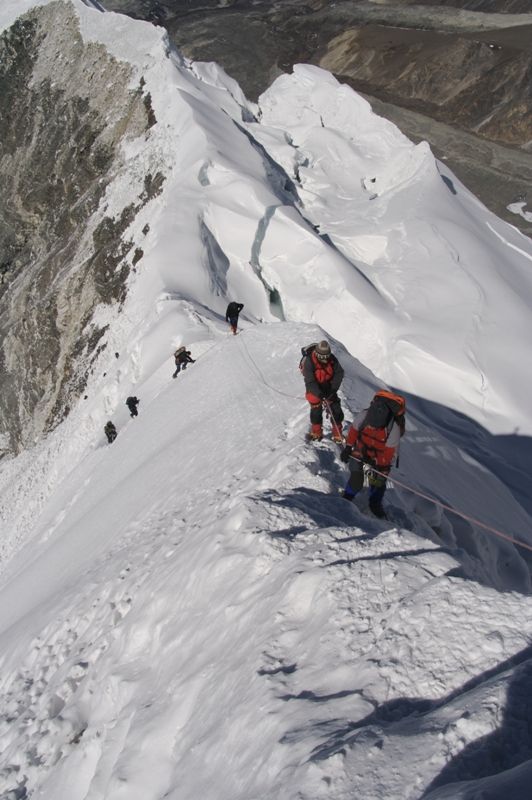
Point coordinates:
pixel 194 612
pixel 198 614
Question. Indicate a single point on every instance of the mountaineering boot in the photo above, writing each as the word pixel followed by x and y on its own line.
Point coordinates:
pixel 316 433
pixel 377 510
pixel 337 434
pixel 348 493
pixel 377 487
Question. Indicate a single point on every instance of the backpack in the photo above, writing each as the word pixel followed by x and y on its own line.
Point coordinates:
pixel 306 351
pixel 385 409
pixel 179 351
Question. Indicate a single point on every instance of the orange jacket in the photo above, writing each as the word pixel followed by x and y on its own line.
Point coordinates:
pixel 377 444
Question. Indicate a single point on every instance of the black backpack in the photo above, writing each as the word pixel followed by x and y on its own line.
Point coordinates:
pixel 306 351
pixel 385 409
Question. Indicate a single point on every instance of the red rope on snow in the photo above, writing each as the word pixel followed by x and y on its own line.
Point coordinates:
pixel 467 517
pixel 475 521
pixel 489 528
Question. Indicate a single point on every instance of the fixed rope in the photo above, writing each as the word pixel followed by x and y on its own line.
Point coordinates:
pixel 445 506
pixel 489 528
pixel 337 425
pixel 462 514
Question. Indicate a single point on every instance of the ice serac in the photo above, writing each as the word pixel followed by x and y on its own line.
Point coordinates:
pixel 66 109
pixel 428 248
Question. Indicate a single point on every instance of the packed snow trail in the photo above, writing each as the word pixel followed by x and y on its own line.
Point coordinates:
pixel 198 614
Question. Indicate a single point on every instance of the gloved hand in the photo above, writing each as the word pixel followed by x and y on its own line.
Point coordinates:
pixel 345 455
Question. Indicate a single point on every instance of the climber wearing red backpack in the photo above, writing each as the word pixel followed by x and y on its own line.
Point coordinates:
pixel 323 375
pixel 373 439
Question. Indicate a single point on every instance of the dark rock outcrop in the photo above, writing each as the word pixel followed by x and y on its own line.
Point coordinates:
pixel 486 6
pixel 467 80
pixel 65 107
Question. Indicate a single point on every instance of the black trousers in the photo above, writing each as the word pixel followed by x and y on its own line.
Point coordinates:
pixel 337 414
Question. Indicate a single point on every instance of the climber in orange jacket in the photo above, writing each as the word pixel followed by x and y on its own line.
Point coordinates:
pixel 372 440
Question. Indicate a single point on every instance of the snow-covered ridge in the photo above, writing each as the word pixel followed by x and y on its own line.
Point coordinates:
pixel 199 592
pixel 194 611
pixel 414 274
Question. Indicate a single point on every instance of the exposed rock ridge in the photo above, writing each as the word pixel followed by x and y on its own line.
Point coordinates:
pixel 480 86
pixel 65 108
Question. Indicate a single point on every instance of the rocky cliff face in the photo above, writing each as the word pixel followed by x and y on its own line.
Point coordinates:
pixel 469 80
pixel 65 108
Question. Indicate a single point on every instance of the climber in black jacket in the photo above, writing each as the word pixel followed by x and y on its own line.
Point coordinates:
pixel 231 315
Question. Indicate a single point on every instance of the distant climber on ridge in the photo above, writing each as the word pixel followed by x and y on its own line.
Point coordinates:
pixel 323 374
pixel 231 315
pixel 132 403
pixel 373 439
pixel 110 432
pixel 182 357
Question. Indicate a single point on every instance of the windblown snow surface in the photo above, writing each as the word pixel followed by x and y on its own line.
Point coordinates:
pixel 193 612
